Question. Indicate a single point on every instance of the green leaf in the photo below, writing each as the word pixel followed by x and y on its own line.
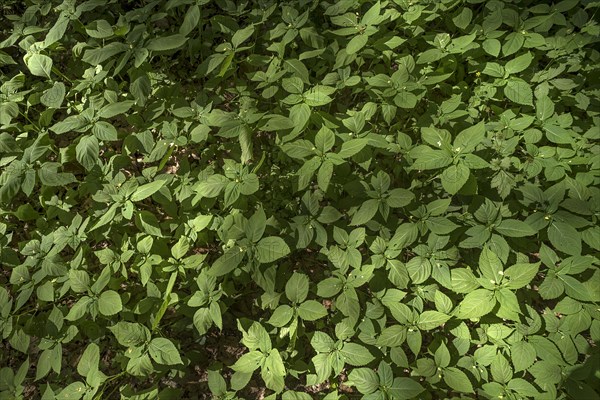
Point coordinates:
pixel 514 228
pixel 351 147
pixel 476 304
pixel 365 380
pixel 71 123
pixel 164 352
pixel 520 275
pixel 457 380
pixel 166 43
pixel 501 370
pixel 109 303
pixel 518 91
pixel 311 310
pixel 190 22
pixel 356 354
pixel 564 238
pixel 468 139
pixel 281 316
pixel 73 391
pixel 270 249
pixel 492 47
pixel 324 175
pixel 216 383
pixel 557 135
pixel 324 140
pixel 87 151
pixel 296 288
pixel 356 43
pixel 405 388
pixel 54 96
pixel 227 262
pixel 365 213
pixel 104 131
pixel 113 109
pixel 241 36
pixel 130 334
pixel 513 43
pixel 490 266
pixel 212 186
pixel 316 97
pixel 79 280
pixel 454 178
pixel 249 362
pixel 522 355
pixel 544 108
pixel 146 190
pixel 39 65
pixel 431 319
pixel 89 360
pixel 518 64
pixel 399 198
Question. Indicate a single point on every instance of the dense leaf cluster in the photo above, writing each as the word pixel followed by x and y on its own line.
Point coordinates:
pixel 301 199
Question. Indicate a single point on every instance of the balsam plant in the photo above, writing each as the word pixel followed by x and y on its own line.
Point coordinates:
pixel 297 200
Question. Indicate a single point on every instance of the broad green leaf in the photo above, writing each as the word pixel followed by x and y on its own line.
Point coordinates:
pixel 324 140
pixel 87 151
pixel 130 334
pixel 190 22
pixel 166 43
pixel 54 96
pixel 564 238
pixel 492 47
pixel 519 64
pixel 270 249
pixel 468 139
pixel 71 123
pixel 163 351
pixel 431 319
pixel 39 65
pixel 227 262
pixel 405 388
pixel 114 109
pixel 242 35
pixel 249 362
pixel 146 190
pixel 476 304
pixel 89 361
pixel 544 108
pixel 522 355
pixel 351 147
pixel 356 354
pixel 365 380
pixel 356 44
pixel 399 198
pixel 281 316
pixel 514 228
pixel 73 391
pixel 519 91
pixel 520 275
pixel 457 380
pixel 296 288
pixel 501 370
pixel 104 131
pixel 315 97
pixel 311 310
pixel 454 178
pixel 109 303
pixel 366 212
pixel 557 134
